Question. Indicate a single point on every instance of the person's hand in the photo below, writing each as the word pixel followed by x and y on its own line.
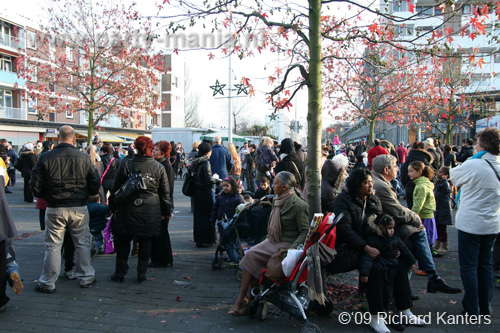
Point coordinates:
pixel 371 251
pixel 398 253
pixel 171 216
pixel 363 279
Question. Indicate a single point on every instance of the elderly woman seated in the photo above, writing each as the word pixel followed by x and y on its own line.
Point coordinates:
pixel 287 228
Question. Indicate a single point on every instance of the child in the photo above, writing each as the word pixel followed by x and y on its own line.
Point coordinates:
pixel 264 188
pixel 12 268
pixel 386 276
pixel 359 162
pixel 227 201
pixel 424 203
pixel 442 193
pixel 98 220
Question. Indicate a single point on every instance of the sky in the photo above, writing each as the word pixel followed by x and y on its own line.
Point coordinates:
pixel 204 72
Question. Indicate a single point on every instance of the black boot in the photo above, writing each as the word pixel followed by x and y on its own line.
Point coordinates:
pixel 142 267
pixel 121 270
pixel 439 285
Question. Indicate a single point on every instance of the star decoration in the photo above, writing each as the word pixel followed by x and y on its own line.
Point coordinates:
pixel 300 127
pixel 273 116
pixel 242 88
pixel 217 88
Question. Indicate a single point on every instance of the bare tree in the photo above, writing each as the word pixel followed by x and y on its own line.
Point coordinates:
pixel 192 117
pixel 238 107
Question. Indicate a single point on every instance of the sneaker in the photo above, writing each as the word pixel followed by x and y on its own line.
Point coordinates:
pixel 409 318
pixel 88 284
pixel 40 289
pixel 378 324
pixel 17 284
pixel 71 275
pixel 421 273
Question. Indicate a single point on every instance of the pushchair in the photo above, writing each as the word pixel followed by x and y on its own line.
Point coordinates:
pixel 291 295
pixel 243 231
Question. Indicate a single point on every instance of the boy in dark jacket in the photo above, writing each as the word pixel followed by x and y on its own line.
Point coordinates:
pixel 98 220
pixel 264 188
pixel 386 276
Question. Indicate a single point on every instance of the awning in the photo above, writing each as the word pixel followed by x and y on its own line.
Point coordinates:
pixel 223 135
pixel 106 137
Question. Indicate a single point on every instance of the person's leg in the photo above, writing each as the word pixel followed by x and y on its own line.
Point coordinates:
pixel 419 247
pixel 496 256
pixel 485 273
pixel 402 289
pixel 78 225
pixel 122 247
pixel 468 253
pixel 56 219
pixel 41 218
pixel 69 254
pixel 143 257
pixel 98 241
pixel 241 303
pixel 375 289
pixel 4 299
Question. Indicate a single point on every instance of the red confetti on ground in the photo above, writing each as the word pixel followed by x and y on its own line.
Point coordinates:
pixel 178 299
pixel 163 321
pixel 169 311
pixel 453 302
pixel 191 240
pixel 194 317
pixel 155 314
pixel 187 277
pixel 150 279
pixel 423 292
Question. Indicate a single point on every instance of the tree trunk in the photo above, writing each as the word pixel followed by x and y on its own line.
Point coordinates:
pixel 371 135
pixel 314 110
pixel 90 130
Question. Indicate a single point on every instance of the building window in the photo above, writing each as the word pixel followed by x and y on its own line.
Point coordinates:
pixel 425 10
pixel 69 53
pixel 407 30
pixel 69 112
pixel 467 9
pixel 32 42
pixel 32 106
pixel 6 63
pixel 496 58
pixel 439 10
pixel 486 57
pixel 400 6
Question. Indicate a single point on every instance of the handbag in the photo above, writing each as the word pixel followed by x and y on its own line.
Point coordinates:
pixel 188 186
pixel 274 271
pixel 133 185
pixel 109 246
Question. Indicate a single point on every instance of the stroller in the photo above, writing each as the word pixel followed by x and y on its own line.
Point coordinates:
pixel 243 231
pixel 291 294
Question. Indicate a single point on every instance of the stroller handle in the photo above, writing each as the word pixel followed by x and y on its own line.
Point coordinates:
pixel 335 222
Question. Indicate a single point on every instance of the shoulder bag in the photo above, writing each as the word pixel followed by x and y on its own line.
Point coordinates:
pixel 133 185
pixel 188 186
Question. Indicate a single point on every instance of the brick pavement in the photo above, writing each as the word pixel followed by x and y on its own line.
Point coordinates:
pixel 189 297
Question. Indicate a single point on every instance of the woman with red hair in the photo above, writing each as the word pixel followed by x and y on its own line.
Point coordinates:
pixel 161 249
pixel 141 215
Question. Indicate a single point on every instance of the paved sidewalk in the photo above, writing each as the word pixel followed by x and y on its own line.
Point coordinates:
pixel 189 297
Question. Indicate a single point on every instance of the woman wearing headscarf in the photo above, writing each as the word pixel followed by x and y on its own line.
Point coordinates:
pixel 25 164
pixel 291 163
pixel 332 178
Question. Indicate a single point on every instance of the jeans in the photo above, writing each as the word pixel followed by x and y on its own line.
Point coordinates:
pixel 76 221
pixel 475 255
pixel 12 267
pixel 419 247
pixel 98 241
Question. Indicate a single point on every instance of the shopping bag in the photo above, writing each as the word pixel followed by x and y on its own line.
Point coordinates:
pixel 108 238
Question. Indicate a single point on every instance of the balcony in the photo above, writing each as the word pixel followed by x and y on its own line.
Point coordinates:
pixel 12 42
pixel 11 78
pixel 11 113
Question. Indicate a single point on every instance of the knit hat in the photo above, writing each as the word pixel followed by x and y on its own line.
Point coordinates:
pixel 28 146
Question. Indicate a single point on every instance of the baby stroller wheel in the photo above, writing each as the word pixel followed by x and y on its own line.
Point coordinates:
pixel 239 274
pixel 309 328
pixel 252 308
pixel 216 262
pixel 262 310
pixel 323 310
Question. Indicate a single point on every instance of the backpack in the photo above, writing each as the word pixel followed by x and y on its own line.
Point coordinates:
pixel 133 185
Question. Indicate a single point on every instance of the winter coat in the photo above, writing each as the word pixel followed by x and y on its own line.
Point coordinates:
pixel 388 248
pixel 25 163
pixel 294 221
pixel 221 161
pixel 170 177
pixel 414 155
pixel 7 226
pixel 402 153
pixel 479 205
pixel 437 161
pixel 249 163
pixel 64 177
pixel 192 154
pixel 332 176
pixel 141 215
pixel 407 222
pixel 264 159
pixel 260 193
pixel 465 153
pixel 360 149
pixel 291 163
pixel 450 160
pixel 352 224
pixel 442 193
pixel 225 206
pixel 202 171
pixel 109 177
pixel 98 219
pixel 424 203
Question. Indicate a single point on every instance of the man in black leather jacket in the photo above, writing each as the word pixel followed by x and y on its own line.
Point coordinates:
pixel 467 151
pixel 65 177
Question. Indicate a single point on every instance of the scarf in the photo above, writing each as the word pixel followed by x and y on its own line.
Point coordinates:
pixel 274 228
pixel 476 156
pixel 282 156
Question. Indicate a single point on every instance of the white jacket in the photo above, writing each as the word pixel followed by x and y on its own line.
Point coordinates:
pixel 479 206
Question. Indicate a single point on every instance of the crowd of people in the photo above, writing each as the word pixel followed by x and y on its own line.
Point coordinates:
pixel 380 235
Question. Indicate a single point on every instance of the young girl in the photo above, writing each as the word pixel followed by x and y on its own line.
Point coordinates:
pixel 227 201
pixel 386 276
pixel 424 203
pixel 442 193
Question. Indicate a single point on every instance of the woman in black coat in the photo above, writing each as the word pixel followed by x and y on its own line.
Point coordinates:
pixel 142 214
pixel 110 165
pixel 161 248
pixel 203 230
pixel 332 178
pixel 25 164
pixel 291 163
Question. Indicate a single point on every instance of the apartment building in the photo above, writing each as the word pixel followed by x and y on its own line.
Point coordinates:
pixel 20 121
